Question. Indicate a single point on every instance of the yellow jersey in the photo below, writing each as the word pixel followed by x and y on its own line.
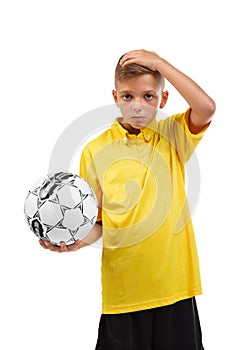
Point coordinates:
pixel 149 256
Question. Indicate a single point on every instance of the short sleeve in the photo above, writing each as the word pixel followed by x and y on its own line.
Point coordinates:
pixel 87 172
pixel 176 130
pixel 196 138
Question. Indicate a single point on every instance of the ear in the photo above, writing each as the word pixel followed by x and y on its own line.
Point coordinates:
pixel 114 94
pixel 164 99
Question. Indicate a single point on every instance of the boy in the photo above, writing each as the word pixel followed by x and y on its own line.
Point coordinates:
pixel 150 270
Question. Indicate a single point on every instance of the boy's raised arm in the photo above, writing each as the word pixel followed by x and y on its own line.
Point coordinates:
pixel 202 106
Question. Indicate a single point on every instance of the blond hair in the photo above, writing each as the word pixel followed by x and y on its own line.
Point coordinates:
pixel 133 70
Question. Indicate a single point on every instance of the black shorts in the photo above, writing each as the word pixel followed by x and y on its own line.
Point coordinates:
pixel 173 327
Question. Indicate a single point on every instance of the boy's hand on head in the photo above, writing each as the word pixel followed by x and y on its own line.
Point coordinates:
pixel 149 59
pixel 63 247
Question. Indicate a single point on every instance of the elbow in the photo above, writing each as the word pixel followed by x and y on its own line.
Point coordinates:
pixel 211 108
pixel 208 110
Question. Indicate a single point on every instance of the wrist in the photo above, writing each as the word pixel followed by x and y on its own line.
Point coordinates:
pixel 83 243
pixel 160 65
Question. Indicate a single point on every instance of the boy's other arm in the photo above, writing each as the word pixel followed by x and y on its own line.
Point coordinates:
pixel 202 106
pixel 90 238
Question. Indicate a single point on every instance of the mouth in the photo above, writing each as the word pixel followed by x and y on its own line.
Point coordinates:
pixel 138 118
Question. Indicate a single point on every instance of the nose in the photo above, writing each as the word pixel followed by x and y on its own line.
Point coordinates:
pixel 137 106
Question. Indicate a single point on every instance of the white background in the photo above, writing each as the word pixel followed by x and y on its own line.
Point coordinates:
pixel 57 63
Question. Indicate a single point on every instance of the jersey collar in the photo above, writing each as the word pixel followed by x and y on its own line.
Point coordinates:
pixel 146 132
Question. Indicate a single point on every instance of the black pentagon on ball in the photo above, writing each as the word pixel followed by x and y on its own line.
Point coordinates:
pixel 37 227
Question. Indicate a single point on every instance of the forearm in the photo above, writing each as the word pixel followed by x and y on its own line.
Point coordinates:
pixel 197 99
pixel 92 236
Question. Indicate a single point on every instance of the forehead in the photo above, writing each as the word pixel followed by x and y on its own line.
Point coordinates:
pixel 143 82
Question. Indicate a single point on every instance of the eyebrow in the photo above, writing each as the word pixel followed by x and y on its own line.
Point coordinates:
pixel 130 92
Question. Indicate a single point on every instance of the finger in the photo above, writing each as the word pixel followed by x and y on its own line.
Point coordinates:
pixel 42 243
pixel 127 57
pixel 70 248
pixel 48 245
pixel 74 246
pixel 123 60
pixel 133 57
pixel 52 247
pixel 129 60
pixel 63 247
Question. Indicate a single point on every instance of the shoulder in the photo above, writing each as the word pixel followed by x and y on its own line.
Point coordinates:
pixel 180 118
pixel 172 125
pixel 102 139
pixel 179 125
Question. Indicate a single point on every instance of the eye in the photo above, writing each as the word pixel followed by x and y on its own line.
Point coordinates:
pixel 127 97
pixel 148 96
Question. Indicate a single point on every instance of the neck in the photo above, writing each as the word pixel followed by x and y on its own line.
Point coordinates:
pixel 130 128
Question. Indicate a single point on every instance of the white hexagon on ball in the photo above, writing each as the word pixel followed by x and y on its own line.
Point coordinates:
pixel 69 196
pixel 73 219
pixel 50 213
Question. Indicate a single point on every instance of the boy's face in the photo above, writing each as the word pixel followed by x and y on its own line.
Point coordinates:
pixel 138 99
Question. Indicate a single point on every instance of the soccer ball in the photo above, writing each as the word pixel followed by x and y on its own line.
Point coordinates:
pixel 61 207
